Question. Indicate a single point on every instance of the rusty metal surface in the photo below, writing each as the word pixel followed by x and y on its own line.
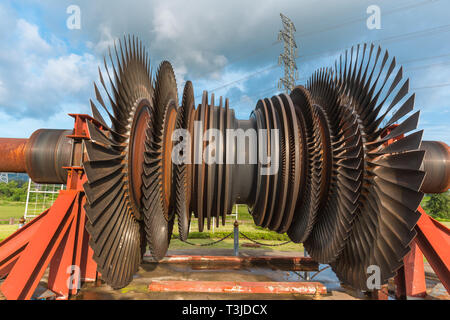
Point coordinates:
pixel 306 288
pixel 12 155
pixel 136 154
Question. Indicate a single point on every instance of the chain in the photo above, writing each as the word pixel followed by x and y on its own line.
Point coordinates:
pixel 264 244
pixel 209 243
pixel 228 235
pixel 315 274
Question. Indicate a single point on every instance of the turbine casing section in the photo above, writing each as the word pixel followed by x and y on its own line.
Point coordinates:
pixel 47 153
pixel 436 164
pixel 244 174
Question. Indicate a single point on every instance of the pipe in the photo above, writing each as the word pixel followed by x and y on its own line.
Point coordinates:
pixel 436 164
pixel 12 155
pixel 42 156
pixel 48 152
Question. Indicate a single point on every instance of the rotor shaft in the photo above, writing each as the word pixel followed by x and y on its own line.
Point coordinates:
pixel 43 156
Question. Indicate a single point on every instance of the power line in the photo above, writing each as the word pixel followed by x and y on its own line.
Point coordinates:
pixel 439 85
pixel 430 65
pixel 387 12
pixel 274 90
pixel 402 37
pixel 427 58
pixel 406 7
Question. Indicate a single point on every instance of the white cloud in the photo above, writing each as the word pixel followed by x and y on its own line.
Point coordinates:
pixel 38 76
pixel 106 40
pixel 165 24
pixel 29 37
pixel 70 73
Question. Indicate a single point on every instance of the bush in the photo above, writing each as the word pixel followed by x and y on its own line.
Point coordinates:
pixel 438 206
pixel 13 191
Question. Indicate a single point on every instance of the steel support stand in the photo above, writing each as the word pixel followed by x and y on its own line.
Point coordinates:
pixel 236 238
pixel 432 241
pixel 56 239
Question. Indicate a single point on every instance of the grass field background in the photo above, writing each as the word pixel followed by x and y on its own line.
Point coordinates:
pixel 11 209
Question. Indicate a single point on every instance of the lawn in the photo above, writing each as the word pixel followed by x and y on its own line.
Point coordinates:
pixel 11 209
pixel 246 225
pixel 6 230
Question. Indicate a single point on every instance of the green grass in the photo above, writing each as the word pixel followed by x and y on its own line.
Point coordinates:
pixel 6 230
pixel 11 209
pixel 246 225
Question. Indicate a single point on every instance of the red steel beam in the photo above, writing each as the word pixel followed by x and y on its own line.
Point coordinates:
pixel 13 246
pixel 304 288
pixel 30 267
pixel 63 260
pixel 415 272
pixel 410 278
pixel 433 239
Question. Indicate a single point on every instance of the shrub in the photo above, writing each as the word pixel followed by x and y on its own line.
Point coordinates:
pixel 438 206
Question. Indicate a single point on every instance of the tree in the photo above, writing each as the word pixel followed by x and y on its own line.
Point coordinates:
pixel 13 191
pixel 439 206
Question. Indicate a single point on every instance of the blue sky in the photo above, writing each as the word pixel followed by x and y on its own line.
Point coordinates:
pixel 225 47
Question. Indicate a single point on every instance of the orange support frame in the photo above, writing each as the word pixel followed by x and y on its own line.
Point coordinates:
pixel 433 242
pixel 56 239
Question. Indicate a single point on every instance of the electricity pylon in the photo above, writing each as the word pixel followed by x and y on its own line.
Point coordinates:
pixel 4 177
pixel 287 58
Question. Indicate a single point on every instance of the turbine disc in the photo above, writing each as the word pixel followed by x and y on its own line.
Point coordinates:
pixel 115 155
pixel 157 173
pixel 341 155
pixel 383 224
pixel 308 200
pixel 183 173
